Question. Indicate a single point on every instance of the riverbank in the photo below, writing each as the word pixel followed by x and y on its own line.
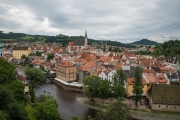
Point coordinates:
pixel 100 104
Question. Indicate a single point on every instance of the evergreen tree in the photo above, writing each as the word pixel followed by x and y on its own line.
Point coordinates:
pixel 138 86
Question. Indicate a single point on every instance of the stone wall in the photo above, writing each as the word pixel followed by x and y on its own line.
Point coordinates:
pixel 68 87
pixel 162 107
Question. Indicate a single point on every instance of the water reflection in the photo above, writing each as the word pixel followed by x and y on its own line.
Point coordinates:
pixel 68 104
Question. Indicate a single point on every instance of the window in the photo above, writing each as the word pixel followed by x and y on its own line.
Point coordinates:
pixel 174 106
pixel 159 106
pixel 166 106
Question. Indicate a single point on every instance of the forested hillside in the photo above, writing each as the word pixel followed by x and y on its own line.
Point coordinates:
pixel 145 42
pixel 62 39
pixel 169 48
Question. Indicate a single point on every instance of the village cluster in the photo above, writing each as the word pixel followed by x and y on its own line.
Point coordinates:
pixel 161 76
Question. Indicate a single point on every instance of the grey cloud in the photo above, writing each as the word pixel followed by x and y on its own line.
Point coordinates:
pixel 103 19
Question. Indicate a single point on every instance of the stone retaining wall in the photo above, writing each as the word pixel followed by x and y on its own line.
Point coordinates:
pixel 68 87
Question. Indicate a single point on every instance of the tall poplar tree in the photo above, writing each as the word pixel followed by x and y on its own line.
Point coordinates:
pixel 119 80
pixel 138 86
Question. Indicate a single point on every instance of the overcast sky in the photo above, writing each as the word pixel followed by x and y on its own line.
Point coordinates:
pixel 118 20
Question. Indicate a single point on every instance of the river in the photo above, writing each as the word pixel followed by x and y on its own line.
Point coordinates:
pixel 68 104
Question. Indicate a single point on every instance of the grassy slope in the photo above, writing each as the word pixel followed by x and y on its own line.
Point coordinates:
pixel 27 37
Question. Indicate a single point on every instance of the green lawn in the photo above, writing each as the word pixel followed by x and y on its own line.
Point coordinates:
pixel 30 111
pixel 27 37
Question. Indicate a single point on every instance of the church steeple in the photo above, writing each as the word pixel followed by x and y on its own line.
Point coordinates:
pixel 86 39
pixel 85 34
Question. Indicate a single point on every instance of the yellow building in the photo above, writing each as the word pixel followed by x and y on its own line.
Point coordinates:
pixel 66 71
pixel 130 87
pixel 19 51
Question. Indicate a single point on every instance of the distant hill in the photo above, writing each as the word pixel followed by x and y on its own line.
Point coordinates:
pixel 145 42
pixel 62 39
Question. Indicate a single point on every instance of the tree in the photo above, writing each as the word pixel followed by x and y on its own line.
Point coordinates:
pixel 119 79
pixel 17 112
pixel 6 97
pixel 38 53
pixel 47 109
pixel 104 89
pixel 31 65
pixel 3 115
pixel 91 85
pixel 23 56
pixel 36 76
pixel 50 56
pixel 115 111
pixel 17 89
pixel 6 71
pixel 138 86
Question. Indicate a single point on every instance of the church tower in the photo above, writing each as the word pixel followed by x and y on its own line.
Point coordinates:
pixel 1 50
pixel 86 39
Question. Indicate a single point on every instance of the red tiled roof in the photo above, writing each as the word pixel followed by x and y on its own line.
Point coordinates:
pixel 130 81
pixel 65 63
pixel 88 66
pixel 71 44
pixel 151 77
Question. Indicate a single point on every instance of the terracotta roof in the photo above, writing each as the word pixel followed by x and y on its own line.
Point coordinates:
pixel 84 54
pixel 118 66
pixel 65 63
pixel 100 68
pixel 21 77
pixel 105 59
pixel 88 66
pixel 165 69
pixel 148 71
pixel 161 78
pixel 151 77
pixel 8 55
pixel 37 62
pixel 147 63
pixel 130 81
pixel 73 49
pixel 70 44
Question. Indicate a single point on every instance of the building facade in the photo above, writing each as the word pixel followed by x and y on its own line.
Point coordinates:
pixel 66 71
pixel 19 51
